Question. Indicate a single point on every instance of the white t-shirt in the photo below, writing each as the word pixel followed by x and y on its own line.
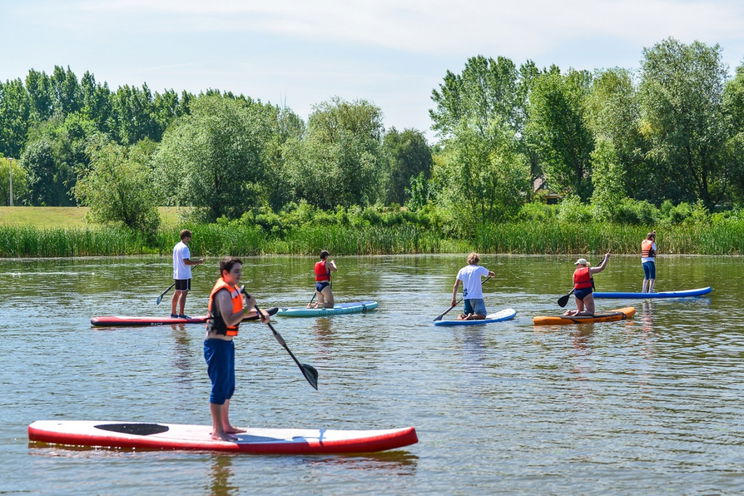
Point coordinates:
pixel 470 275
pixel 650 259
pixel 180 269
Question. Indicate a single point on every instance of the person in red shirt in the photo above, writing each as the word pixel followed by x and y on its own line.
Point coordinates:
pixel 323 289
pixel 584 285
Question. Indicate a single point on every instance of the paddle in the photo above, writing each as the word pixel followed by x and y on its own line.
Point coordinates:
pixel 439 317
pixel 307 370
pixel 160 298
pixel 564 299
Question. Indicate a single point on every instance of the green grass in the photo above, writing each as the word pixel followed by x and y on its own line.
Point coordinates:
pixel 66 216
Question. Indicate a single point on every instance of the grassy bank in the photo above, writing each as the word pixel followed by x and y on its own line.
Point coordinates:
pixel 46 217
pixel 215 240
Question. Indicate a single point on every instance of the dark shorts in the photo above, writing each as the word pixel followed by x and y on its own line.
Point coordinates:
pixel 220 358
pixel 649 270
pixel 183 284
pixel 320 286
pixel 582 293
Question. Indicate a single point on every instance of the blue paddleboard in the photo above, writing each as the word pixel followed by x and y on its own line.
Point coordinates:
pixel 664 294
pixel 506 314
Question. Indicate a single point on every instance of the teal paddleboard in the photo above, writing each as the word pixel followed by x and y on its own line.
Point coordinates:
pixel 341 308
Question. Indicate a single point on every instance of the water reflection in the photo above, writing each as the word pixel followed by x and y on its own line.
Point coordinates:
pixel 220 474
pixel 399 462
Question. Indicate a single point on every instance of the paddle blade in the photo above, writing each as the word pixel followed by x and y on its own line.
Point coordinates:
pixel 563 300
pixel 158 299
pixel 439 317
pixel 310 374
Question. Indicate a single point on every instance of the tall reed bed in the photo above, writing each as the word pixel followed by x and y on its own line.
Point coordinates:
pixel 26 241
pixel 716 238
pixel 724 238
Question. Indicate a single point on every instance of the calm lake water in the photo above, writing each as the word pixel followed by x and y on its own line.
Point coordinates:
pixel 648 406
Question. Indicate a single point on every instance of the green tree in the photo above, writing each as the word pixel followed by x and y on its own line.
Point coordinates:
pixel 19 181
pixel 559 132
pixel 118 187
pixel 681 103
pixel 212 159
pixel 486 89
pixel 733 105
pixel 408 156
pixel 55 152
pixel 15 111
pixel 608 178
pixel 340 161
pixel 484 180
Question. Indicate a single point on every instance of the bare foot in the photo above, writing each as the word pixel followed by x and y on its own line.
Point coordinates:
pixel 223 437
pixel 234 430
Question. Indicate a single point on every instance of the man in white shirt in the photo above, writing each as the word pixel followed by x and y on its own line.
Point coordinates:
pixel 472 292
pixel 182 274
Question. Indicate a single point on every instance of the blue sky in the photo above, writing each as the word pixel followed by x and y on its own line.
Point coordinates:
pixel 300 53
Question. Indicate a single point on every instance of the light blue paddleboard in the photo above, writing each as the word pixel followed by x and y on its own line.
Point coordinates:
pixel 341 308
pixel 506 314
pixel 664 294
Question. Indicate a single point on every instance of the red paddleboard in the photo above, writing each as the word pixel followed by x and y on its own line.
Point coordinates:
pixel 197 437
pixel 119 321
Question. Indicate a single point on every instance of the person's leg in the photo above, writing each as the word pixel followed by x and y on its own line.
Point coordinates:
pixel 328 296
pixel 174 302
pixel 226 425
pixel 589 304
pixel 218 433
pixel 182 303
pixel 467 310
pixel 644 287
pixel 479 310
pixel 652 277
pixel 215 354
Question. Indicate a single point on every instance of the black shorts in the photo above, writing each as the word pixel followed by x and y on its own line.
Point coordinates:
pixel 183 284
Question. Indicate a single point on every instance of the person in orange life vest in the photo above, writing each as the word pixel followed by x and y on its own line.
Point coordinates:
pixel 648 260
pixel 323 289
pixel 472 289
pixel 584 284
pixel 182 263
pixel 228 306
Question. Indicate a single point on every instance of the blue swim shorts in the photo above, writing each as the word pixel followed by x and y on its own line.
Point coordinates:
pixel 582 293
pixel 475 305
pixel 320 286
pixel 220 357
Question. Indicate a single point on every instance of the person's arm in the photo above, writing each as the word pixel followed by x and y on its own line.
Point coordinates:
pixel 331 266
pixel 188 261
pixel 600 267
pixel 454 292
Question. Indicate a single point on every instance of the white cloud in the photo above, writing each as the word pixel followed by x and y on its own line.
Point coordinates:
pixel 522 29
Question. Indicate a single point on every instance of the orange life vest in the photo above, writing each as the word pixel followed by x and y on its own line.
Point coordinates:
pixel 582 278
pixel 214 318
pixel 321 272
pixel 647 248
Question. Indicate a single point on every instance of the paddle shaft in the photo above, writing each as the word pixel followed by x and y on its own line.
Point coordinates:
pixel 311 375
pixel 439 317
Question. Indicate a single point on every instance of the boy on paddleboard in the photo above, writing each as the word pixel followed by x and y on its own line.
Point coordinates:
pixel 228 306
pixel 182 274
pixel 472 289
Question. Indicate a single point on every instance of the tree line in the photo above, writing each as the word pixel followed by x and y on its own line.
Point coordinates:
pixel 669 132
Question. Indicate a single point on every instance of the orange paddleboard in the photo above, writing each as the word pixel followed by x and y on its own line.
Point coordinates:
pixel 617 314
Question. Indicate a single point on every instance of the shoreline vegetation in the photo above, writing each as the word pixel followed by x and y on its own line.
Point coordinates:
pixel 349 235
